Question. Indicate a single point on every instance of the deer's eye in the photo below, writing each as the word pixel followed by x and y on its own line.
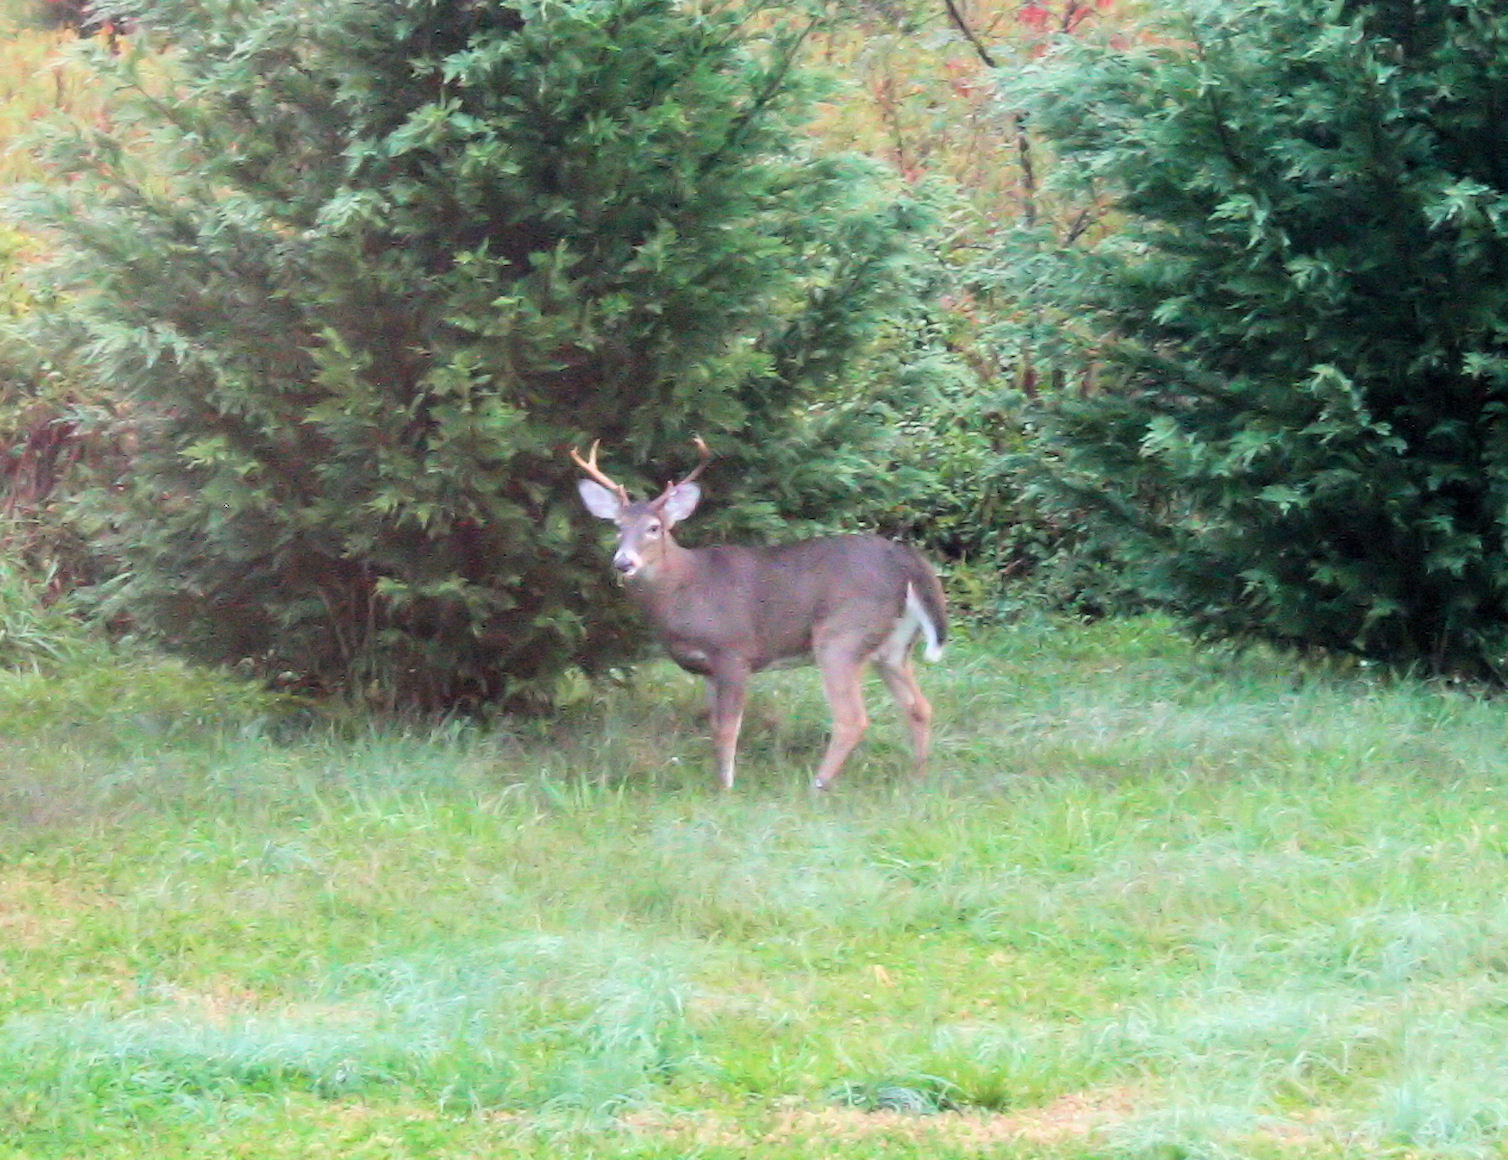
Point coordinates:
pixel 652 531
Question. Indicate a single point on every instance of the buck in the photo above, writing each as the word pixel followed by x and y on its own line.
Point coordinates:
pixel 728 611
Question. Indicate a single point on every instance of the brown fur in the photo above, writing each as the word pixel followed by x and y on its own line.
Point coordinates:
pixel 727 611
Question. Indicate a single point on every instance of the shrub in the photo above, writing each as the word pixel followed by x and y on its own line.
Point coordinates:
pixel 359 275
pixel 1301 328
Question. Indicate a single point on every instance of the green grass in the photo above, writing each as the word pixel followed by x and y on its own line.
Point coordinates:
pixel 1154 902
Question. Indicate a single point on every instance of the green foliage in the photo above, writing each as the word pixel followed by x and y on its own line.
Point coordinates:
pixel 44 452
pixel 1303 327
pixel 1004 552
pixel 360 275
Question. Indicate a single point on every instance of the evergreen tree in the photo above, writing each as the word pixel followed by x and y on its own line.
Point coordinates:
pixel 360 272
pixel 1301 331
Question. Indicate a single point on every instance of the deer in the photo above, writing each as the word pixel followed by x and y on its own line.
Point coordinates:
pixel 727 611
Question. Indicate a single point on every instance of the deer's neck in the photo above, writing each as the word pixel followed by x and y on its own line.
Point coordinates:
pixel 670 569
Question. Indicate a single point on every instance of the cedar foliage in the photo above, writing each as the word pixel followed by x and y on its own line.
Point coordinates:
pixel 358 274
pixel 1302 330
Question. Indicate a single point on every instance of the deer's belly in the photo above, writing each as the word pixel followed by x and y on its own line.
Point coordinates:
pixel 696 659
pixel 690 658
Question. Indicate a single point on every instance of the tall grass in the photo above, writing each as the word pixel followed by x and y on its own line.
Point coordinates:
pixel 33 632
pixel 1154 901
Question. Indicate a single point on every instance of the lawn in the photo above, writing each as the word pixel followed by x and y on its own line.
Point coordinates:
pixel 1155 901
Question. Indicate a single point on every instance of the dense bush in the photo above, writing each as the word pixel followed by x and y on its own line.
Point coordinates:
pixel 1302 328
pixel 42 442
pixel 83 16
pixel 359 275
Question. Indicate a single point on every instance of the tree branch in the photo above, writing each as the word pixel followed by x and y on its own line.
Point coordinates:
pixel 968 34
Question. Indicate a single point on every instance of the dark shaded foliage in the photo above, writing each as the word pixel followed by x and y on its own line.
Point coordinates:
pixel 1303 327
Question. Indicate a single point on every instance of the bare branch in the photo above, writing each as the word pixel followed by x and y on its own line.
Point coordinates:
pixel 962 25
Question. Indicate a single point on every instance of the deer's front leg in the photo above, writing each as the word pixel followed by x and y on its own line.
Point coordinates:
pixel 726 692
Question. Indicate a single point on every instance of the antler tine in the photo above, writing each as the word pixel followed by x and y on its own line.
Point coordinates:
pixel 706 454
pixel 589 465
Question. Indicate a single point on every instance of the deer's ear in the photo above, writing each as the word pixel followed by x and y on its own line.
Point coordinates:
pixel 599 500
pixel 680 502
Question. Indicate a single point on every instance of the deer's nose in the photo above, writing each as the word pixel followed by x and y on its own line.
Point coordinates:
pixel 626 563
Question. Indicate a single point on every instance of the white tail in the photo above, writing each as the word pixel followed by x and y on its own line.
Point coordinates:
pixel 729 611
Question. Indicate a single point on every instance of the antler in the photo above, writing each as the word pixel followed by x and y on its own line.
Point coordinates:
pixel 590 467
pixel 706 454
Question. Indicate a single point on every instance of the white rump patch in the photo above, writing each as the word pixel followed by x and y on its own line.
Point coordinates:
pixel 912 621
pixel 914 607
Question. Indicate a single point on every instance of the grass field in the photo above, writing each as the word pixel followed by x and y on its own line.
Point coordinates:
pixel 1154 902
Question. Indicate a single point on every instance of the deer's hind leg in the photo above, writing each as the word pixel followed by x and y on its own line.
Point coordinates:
pixel 900 679
pixel 842 678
